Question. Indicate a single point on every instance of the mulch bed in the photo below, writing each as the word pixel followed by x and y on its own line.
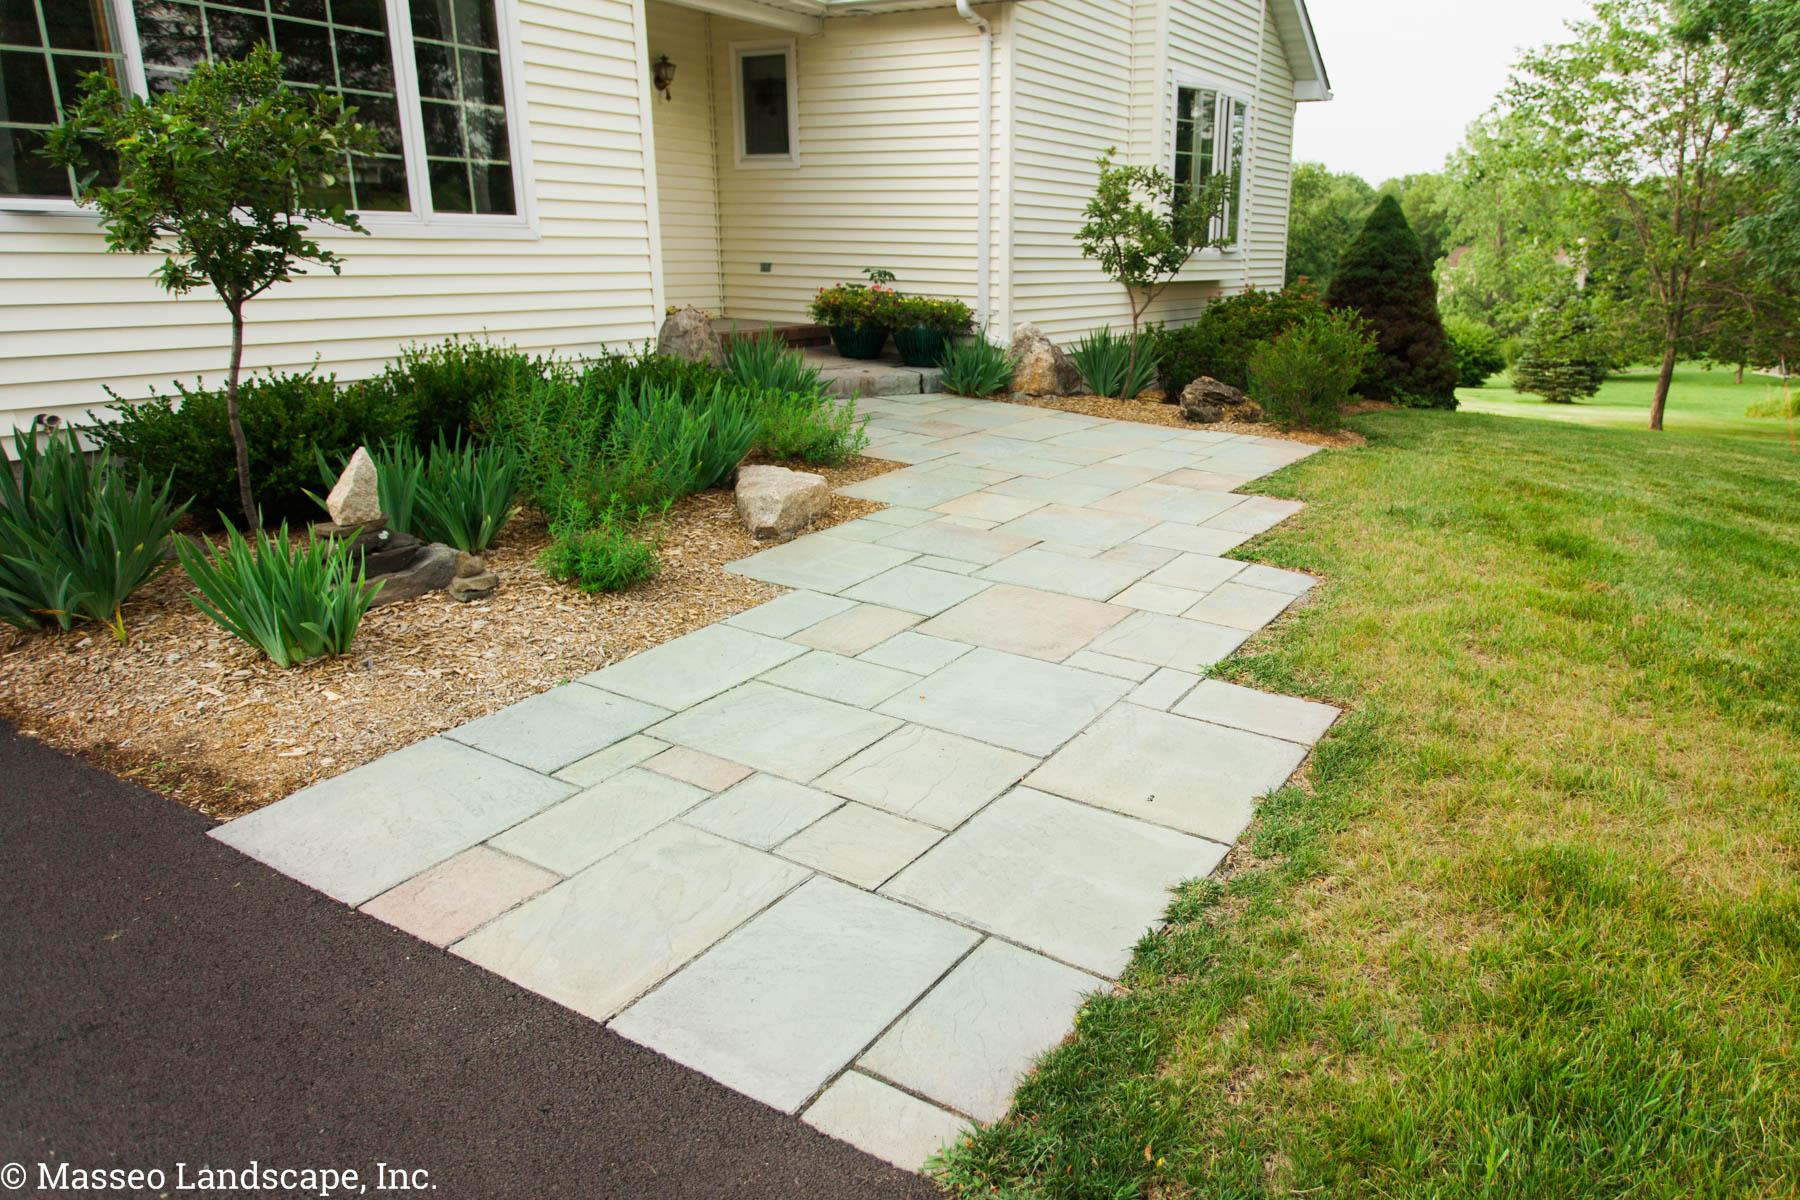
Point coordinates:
pixel 1148 411
pixel 187 709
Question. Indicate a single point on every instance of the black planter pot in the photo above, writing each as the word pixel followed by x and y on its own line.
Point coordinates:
pixel 859 341
pixel 919 345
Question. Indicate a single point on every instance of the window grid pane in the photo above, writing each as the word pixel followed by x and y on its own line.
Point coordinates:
pixel 763 95
pixel 46 46
pixel 463 105
pixel 339 46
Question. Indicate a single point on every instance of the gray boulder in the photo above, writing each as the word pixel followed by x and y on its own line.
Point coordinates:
pixel 431 569
pixel 688 333
pixel 1040 366
pixel 774 501
pixel 1209 402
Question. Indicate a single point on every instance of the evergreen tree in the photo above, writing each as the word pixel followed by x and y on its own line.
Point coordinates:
pixel 1385 275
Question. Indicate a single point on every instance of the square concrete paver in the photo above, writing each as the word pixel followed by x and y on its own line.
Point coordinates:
pixel 948 537
pixel 856 629
pixel 916 589
pixel 602 765
pixel 820 562
pixel 1050 571
pixel 860 845
pixel 1240 607
pixel 694 666
pixel 763 811
pixel 564 724
pixel 928 775
pixel 846 680
pixel 1286 717
pixel 775 730
pixel 1158 597
pixel 1026 621
pixel 789 614
pixel 1077 526
pixel 1024 704
pixel 988 506
pixel 884 1121
pixel 1189 775
pixel 1169 641
pixel 445 902
pixel 1073 882
pixel 595 942
pixel 568 836
pixel 969 1040
pixel 1195 572
pixel 356 836
pixel 1164 688
pixel 1191 539
pixel 783 1004
pixel 1166 502
pixel 914 487
pixel 702 770
pixel 915 653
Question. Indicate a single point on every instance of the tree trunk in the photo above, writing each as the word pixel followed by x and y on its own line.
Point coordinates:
pixel 1740 377
pixel 246 497
pixel 1663 379
pixel 1131 358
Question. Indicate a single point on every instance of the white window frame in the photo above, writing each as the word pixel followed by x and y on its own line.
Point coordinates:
pixel 421 221
pixel 788 48
pixel 1180 79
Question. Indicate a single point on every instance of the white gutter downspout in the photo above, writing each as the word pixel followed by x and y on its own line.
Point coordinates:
pixel 984 172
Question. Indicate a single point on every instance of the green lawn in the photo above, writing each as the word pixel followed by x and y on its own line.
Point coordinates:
pixel 1531 927
pixel 1700 401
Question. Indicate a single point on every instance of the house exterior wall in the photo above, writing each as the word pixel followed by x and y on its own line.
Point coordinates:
pixel 1094 74
pixel 687 174
pixel 74 318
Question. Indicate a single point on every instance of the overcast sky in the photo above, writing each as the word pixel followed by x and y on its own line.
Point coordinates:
pixel 1409 76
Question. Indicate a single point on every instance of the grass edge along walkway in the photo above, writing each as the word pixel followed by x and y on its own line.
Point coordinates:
pixel 1530 926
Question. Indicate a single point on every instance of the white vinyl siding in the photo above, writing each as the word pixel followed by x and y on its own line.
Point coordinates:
pixel 687 179
pixel 74 318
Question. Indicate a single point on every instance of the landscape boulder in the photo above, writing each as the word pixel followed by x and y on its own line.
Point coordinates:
pixel 1209 402
pixel 473 579
pixel 431 569
pixel 355 498
pixel 688 333
pixel 774 501
pixel 1040 366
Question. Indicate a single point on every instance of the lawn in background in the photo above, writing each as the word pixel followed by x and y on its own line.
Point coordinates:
pixel 1700 401
pixel 1531 926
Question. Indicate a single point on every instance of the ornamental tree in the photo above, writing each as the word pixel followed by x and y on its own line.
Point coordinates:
pixel 1385 276
pixel 221 176
pixel 1143 226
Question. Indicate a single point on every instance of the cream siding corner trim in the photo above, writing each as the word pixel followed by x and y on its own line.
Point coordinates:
pixel 687 177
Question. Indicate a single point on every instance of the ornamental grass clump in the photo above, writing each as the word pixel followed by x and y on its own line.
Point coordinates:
pixel 460 493
pixel 77 537
pixel 1110 365
pixel 976 367
pixel 293 602
pixel 765 363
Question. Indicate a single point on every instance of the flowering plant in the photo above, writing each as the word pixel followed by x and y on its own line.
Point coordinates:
pixel 869 305
pixel 952 318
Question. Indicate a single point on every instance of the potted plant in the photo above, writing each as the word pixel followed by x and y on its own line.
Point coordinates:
pixel 923 326
pixel 859 315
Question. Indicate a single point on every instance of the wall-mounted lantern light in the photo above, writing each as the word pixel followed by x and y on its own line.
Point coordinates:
pixel 662 74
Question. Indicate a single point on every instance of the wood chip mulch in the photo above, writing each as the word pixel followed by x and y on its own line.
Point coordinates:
pixel 1151 409
pixel 187 709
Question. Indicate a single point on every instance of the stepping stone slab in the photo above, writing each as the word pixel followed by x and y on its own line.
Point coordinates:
pixel 360 834
pixel 913 487
pixel 928 775
pixel 856 629
pixel 561 726
pixel 1276 580
pixel 1195 572
pixel 988 506
pixel 1026 621
pixel 694 666
pixel 763 811
pixel 860 845
pixel 1287 717
pixel 1072 882
pixel 947 537
pixel 1255 515
pixel 1050 571
pixel 916 589
pixel 1164 502
pixel 1169 641
pixel 444 903
pixel 1240 607
pixel 1023 704
pixel 884 1121
pixel 1077 526
pixel 1191 539
pixel 1164 688
pixel 1190 775
pixel 595 942
pixel 779 1007
pixel 1057 490
pixel 1106 664
pixel 974 1035
pixel 846 680
pixel 783 732
pixel 789 614
pixel 587 827
pixel 1204 480
pixel 602 765
pixel 701 770
pixel 1159 597
pixel 902 517
pixel 915 653
pixel 820 563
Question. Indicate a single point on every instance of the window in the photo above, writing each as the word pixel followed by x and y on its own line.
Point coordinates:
pixel 767 104
pixel 1210 130
pixel 45 48
pixel 444 149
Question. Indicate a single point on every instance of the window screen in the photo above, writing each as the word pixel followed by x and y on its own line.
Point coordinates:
pixel 765 105
pixel 45 48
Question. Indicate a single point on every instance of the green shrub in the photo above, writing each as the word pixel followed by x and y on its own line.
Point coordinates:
pixel 1305 376
pixel 187 438
pixel 603 550
pixel 811 428
pixel 1563 354
pixel 1219 343
pixel 436 391
pixel 767 364
pixel 1478 350
pixel 667 444
pixel 76 536
pixel 291 603
pixel 615 372
pixel 1385 276
pixel 1104 359
pixel 976 367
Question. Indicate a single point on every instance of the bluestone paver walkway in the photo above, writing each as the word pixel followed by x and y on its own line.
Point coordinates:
pixel 859 852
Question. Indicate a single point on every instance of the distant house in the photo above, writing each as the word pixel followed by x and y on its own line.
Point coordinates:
pixel 538 184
